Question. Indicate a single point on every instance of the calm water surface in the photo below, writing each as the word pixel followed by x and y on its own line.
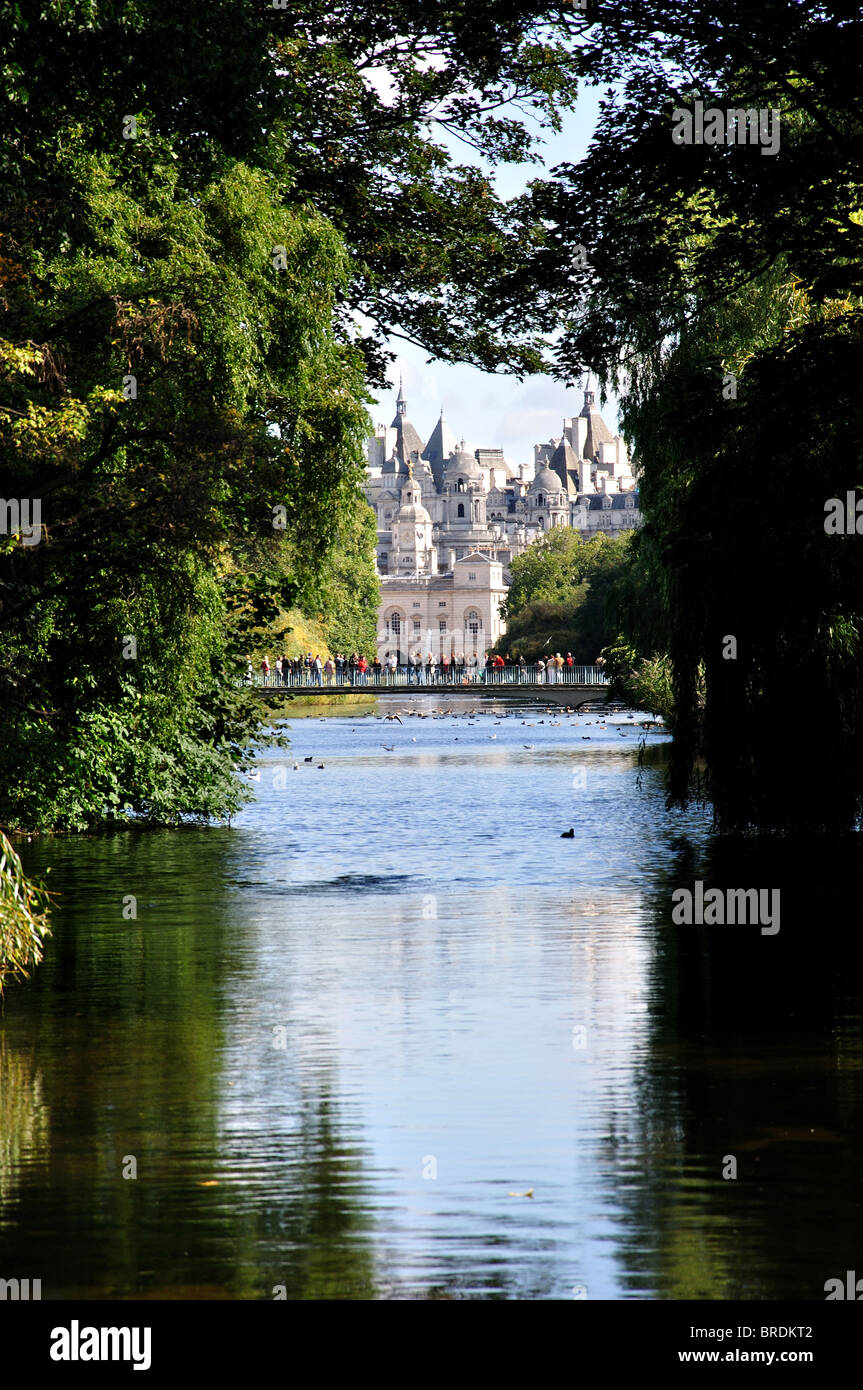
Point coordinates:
pixel 344 1038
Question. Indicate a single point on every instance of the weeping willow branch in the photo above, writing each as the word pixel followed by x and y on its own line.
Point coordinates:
pixel 23 916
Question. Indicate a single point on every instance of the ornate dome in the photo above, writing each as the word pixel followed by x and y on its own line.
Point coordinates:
pixel 413 511
pixel 546 480
pixel 463 464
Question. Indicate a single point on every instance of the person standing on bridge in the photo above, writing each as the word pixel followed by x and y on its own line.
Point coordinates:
pixel 540 671
pixel 522 670
pixel 329 670
pixel 265 670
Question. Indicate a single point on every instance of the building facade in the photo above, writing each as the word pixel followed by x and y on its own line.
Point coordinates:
pixel 450 522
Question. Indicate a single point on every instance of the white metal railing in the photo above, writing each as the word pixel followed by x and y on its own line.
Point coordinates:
pixel 406 675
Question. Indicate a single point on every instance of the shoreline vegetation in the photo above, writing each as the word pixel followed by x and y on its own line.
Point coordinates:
pixel 197 297
pixel 23 917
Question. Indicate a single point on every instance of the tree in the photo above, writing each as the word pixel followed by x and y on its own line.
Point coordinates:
pixel 561 595
pixel 23 916
pixel 723 293
pixel 350 108
pixel 175 400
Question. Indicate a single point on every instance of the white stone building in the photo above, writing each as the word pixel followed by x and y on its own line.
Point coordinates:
pixel 450 522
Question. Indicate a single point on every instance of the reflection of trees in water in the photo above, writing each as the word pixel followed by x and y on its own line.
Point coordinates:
pixel 24 1118
pixel 131 1021
pixel 313 1237
pixel 756 1052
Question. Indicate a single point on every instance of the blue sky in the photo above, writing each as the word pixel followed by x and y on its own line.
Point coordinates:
pixel 489 410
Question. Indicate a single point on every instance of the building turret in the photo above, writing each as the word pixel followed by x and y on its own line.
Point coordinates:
pixel 412 550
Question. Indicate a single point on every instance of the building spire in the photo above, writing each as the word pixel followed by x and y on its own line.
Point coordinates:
pixel 401 403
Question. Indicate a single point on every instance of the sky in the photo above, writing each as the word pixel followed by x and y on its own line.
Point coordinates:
pixel 494 411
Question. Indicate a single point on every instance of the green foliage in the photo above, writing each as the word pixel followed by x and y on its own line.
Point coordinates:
pixel 350 593
pixel 23 916
pixel 151 505
pixel 645 683
pixel 705 260
pixel 355 109
pixel 562 595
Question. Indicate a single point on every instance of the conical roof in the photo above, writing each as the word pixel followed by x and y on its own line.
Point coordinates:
pixel 407 439
pixel 442 444
pixel 597 430
pixel 564 462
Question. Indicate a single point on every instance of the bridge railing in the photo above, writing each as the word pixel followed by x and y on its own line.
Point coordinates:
pixel 404 677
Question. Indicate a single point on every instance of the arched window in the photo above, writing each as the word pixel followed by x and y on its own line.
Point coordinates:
pixel 460 509
pixel 539 500
pixel 459 487
pixel 396 625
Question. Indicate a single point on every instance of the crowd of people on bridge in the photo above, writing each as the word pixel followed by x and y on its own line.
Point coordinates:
pixel 314 670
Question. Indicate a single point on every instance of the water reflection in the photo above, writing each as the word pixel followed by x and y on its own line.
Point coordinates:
pixel 344 1039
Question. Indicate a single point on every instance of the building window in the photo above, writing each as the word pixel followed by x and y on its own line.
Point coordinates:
pixel 460 509
pixel 459 487
pixel 539 502
pixel 442 603
pixel 416 627
pixel 417 605
pixel 442 625
pixel 471 576
pixel 396 625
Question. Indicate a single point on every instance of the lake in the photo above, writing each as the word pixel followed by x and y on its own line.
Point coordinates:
pixel 390 1036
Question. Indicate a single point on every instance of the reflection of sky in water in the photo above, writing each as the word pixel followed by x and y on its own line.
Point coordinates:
pixel 431 953
pixel 415 924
